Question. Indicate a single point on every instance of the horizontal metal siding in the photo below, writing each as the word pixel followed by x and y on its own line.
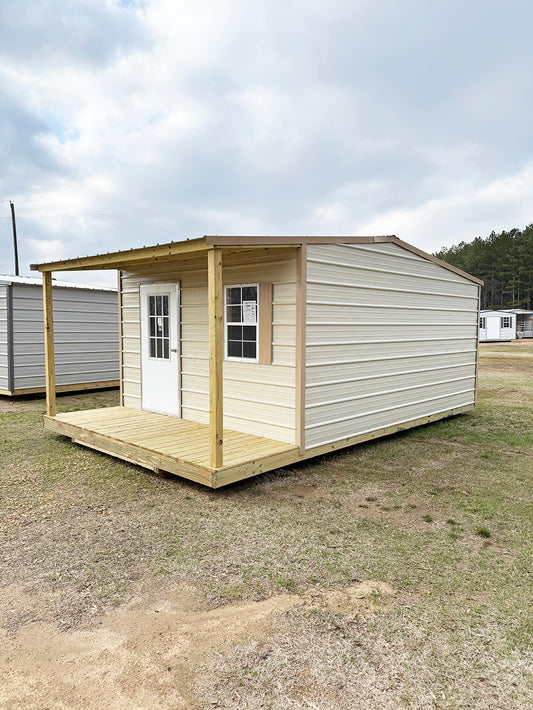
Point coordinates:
pixel 351 389
pixel 320 272
pixel 258 399
pixel 390 337
pixel 85 336
pixel 4 357
pixel 330 372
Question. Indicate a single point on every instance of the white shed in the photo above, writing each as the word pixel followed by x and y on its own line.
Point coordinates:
pixel 497 325
pixel 243 354
pixel 86 336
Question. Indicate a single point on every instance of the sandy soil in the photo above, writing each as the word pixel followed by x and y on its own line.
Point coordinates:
pixel 142 656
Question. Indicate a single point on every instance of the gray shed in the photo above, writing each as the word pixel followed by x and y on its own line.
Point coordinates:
pixel 86 336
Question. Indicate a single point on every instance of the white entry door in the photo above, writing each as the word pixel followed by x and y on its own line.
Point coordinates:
pixel 160 357
pixel 493 327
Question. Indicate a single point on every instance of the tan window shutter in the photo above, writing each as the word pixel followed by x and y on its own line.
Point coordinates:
pixel 265 323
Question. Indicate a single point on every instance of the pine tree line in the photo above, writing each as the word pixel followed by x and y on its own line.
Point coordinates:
pixel 503 261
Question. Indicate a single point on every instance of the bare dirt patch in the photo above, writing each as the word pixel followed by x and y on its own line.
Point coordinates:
pixel 146 654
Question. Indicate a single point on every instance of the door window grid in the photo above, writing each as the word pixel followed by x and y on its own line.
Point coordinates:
pixel 159 327
pixel 241 308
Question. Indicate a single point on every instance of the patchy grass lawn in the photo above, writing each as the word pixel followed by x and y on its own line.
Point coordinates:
pixel 442 515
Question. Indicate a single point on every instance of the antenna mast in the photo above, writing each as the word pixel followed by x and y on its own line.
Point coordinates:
pixel 15 247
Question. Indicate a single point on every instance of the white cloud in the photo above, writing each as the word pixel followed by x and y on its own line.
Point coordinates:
pixel 165 119
pixel 498 205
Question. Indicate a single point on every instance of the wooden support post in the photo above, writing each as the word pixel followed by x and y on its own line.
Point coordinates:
pixel 216 355
pixel 49 360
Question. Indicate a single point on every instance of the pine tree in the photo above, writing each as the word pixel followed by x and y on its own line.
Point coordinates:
pixel 503 261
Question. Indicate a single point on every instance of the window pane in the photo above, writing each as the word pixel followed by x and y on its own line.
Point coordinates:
pixel 158 305
pixel 234 348
pixel 165 349
pixel 234 332
pixel 233 294
pixel 158 348
pixel 233 314
pixel 165 326
pixel 152 305
pixel 249 332
pixel 249 293
pixel 248 350
pixel 165 305
pixel 152 347
pixel 152 327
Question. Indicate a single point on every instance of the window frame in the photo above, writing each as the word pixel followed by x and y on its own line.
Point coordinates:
pixel 232 358
pixel 153 318
pixel 505 319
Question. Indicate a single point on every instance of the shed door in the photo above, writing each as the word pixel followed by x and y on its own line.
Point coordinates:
pixel 493 327
pixel 160 357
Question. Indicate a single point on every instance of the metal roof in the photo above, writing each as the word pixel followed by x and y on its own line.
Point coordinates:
pixel 190 248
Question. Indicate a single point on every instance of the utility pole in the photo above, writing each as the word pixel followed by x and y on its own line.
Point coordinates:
pixel 15 247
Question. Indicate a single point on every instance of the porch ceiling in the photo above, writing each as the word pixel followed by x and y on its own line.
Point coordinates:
pixel 134 258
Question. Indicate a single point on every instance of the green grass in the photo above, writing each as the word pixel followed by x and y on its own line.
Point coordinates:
pixel 79 530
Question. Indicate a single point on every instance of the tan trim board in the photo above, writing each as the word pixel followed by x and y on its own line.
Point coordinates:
pixel 282 241
pixel 120 341
pixel 82 387
pixel 476 368
pixel 301 306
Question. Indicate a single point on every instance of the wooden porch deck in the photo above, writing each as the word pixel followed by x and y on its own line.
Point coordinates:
pixel 178 446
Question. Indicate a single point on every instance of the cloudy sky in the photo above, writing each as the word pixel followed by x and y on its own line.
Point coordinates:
pixel 136 122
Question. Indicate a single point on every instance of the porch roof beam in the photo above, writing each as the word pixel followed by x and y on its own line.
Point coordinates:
pixel 122 259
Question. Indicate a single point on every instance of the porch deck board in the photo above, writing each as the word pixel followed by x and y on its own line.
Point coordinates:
pixel 177 445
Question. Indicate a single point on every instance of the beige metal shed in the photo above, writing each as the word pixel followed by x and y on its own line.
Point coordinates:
pixel 243 354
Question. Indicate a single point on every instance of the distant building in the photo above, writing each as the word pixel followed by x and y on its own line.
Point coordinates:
pixel 497 325
pixel 524 322
pixel 86 336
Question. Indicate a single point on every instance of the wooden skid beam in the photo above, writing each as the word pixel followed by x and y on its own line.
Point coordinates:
pixel 230 474
pixel 216 355
pixel 81 387
pixel 130 452
pixel 49 358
